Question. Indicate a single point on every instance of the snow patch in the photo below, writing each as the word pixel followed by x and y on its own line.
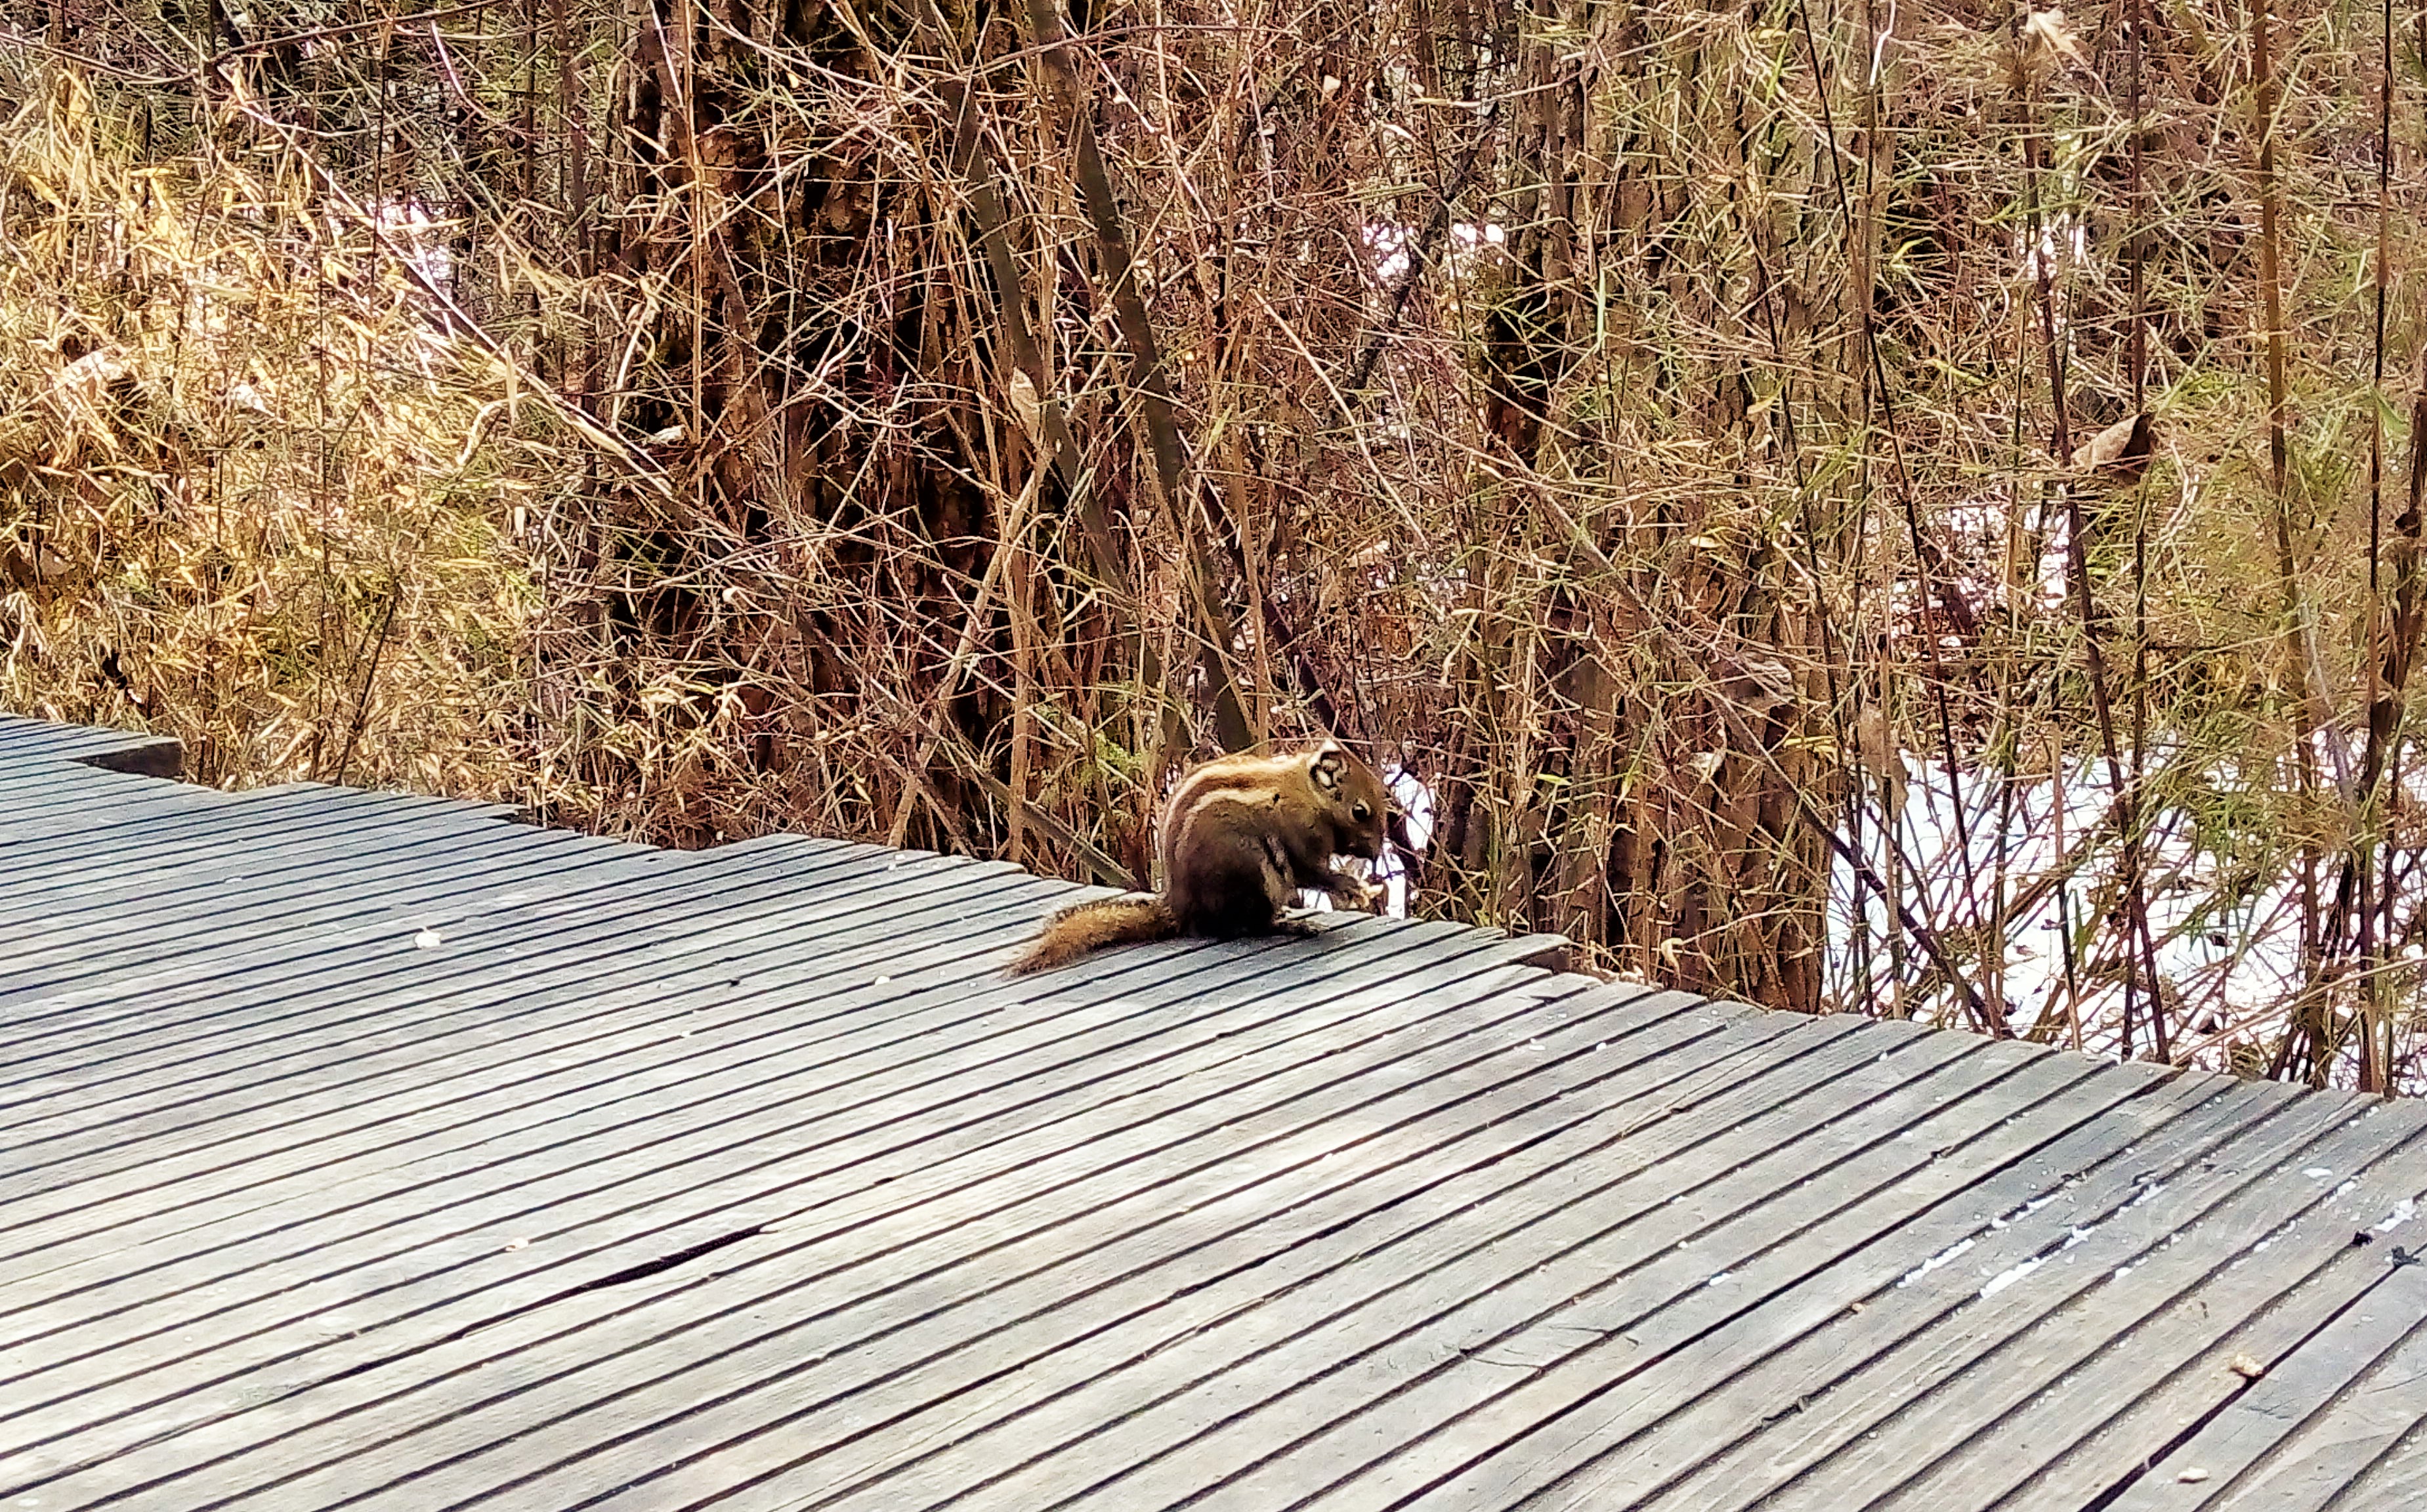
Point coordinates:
pixel 1944 1256
pixel 2011 1274
pixel 2023 1212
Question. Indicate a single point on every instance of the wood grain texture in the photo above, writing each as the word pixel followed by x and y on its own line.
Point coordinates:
pixel 373 1151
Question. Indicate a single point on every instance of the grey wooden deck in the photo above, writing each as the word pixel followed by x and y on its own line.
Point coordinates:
pixel 374 1151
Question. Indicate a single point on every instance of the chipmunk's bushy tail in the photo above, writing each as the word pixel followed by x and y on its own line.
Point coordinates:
pixel 1075 931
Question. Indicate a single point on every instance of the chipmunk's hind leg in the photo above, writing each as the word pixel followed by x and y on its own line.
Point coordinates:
pixel 1240 896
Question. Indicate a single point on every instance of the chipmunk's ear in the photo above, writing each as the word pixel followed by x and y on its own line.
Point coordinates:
pixel 1328 765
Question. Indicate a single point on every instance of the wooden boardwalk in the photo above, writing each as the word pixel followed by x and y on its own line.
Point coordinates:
pixel 360 1150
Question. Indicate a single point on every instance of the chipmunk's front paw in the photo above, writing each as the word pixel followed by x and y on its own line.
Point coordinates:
pixel 1351 892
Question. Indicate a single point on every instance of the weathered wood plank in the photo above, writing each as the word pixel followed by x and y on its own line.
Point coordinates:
pixel 439 880
pixel 1685 1255
pixel 1774 1390
pixel 295 1066
pixel 600 920
pixel 415 1236
pixel 2298 1435
pixel 921 1160
pixel 44 802
pixel 1620 1363
pixel 2143 1266
pixel 58 871
pixel 1435 1246
pixel 2397 1477
pixel 744 1178
pixel 2319 1272
pixel 416 879
pixel 993 1399
pixel 26 745
pixel 51 863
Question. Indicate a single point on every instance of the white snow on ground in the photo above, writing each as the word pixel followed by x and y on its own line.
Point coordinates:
pixel 2229 959
pixel 2226 955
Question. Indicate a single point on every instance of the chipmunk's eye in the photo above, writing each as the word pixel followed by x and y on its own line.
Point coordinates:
pixel 1363 812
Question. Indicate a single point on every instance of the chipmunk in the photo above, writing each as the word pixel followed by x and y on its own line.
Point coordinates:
pixel 1240 834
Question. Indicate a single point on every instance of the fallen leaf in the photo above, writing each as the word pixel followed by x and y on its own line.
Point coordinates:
pixel 1026 407
pixel 2122 448
pixel 2049 46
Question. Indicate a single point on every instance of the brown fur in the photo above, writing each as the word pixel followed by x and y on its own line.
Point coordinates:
pixel 1076 930
pixel 1239 836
